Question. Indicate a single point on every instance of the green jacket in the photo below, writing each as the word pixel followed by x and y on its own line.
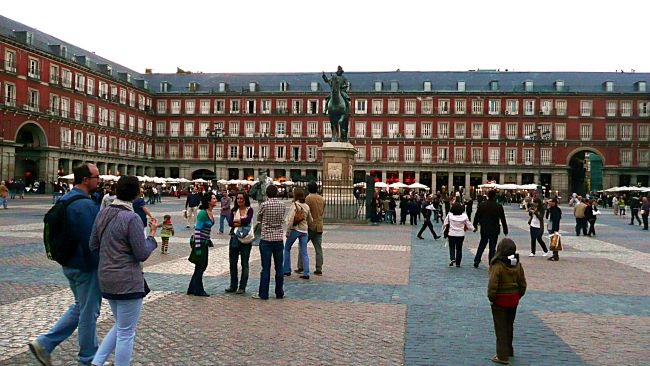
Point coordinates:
pixel 505 279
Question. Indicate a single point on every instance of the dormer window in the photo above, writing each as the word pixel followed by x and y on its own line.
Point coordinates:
pixel 284 86
pixel 379 86
pixel 426 86
pixel 222 87
pixel 609 86
pixel 314 86
pixel 559 85
pixel 165 87
pixel 460 86
pixel 252 87
pixel 640 86
pixel 394 86
pixel 193 86
pixel 528 85
pixel 494 85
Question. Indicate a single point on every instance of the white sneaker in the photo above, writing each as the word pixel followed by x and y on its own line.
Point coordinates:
pixel 546 254
pixel 531 254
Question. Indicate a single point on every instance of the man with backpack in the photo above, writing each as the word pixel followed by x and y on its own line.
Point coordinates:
pixel 67 232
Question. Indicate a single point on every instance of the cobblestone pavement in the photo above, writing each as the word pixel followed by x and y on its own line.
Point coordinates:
pixel 386 298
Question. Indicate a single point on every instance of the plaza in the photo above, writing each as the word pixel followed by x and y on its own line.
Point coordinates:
pixel 385 298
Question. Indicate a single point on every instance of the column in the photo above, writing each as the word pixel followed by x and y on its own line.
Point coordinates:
pixel 467 183
pixel 434 183
pixel 485 178
pixel 519 179
pixel 401 176
pixel 502 177
pixel 450 182
pixel 417 176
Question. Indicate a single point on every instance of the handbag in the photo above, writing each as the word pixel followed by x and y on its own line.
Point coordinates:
pixel 299 216
pixel 244 234
pixel 556 243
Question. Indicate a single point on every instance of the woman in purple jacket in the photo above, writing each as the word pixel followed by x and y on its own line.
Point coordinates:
pixel 239 220
pixel 117 235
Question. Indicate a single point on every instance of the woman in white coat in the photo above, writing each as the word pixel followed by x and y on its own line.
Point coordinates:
pixel 458 223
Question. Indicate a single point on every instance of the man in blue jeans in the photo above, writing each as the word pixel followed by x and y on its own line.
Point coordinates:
pixel 271 216
pixel 81 272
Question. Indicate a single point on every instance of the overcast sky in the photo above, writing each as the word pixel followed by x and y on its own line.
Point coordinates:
pixel 295 36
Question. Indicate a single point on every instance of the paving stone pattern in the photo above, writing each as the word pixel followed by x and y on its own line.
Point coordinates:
pixel 386 298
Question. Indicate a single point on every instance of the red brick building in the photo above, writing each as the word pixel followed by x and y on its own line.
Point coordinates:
pixel 61 105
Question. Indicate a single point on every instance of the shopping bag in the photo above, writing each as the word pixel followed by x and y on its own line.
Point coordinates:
pixel 556 242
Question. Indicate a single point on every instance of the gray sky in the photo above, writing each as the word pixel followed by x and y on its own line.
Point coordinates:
pixel 294 36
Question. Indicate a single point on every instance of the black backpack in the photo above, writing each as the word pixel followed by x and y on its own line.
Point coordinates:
pixel 58 246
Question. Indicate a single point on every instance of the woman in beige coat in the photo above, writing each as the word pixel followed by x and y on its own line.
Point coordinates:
pixel 297 222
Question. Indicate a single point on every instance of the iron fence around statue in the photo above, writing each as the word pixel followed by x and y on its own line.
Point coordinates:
pixel 342 202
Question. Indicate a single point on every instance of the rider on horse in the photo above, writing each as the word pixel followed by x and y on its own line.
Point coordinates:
pixel 344 85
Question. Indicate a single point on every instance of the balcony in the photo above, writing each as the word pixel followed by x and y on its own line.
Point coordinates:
pixel 9 66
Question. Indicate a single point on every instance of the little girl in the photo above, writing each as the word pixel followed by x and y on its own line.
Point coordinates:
pixel 166 232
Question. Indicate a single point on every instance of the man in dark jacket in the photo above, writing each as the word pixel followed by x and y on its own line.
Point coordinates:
pixel 635 203
pixel 645 208
pixel 81 271
pixel 488 215
pixel 427 210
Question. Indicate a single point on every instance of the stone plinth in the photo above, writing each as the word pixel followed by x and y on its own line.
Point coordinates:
pixel 338 158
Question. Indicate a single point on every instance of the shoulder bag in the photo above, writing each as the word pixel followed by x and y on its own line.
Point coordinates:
pixel 299 215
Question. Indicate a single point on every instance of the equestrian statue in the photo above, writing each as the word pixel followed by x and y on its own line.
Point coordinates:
pixel 337 105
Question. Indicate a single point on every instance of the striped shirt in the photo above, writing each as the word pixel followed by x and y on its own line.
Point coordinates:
pixel 202 228
pixel 271 216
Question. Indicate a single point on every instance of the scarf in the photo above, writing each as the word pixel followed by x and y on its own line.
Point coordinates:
pixel 124 204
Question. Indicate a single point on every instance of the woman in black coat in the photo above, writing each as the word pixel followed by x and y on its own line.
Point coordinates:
pixel 591 214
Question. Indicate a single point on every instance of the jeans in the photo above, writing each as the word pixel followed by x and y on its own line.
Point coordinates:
pixel 389 216
pixel 243 250
pixel 196 283
pixel 55 197
pixel 427 224
pixel 302 241
pixel 536 237
pixel 485 238
pixel 82 315
pixel 316 239
pixel 3 201
pixel 645 221
pixel 581 225
pixel 120 338
pixel 270 249
pixel 456 248
pixel 222 218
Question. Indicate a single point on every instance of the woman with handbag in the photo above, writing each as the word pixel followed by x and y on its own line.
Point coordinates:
pixel 117 236
pixel 536 223
pixel 200 244
pixel 456 224
pixel 554 215
pixel 241 237
pixel 297 228
pixel 591 214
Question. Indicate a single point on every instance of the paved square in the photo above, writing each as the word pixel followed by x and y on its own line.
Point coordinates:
pixel 386 298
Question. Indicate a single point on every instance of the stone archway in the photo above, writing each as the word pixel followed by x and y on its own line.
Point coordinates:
pixel 585 170
pixel 32 162
pixel 203 173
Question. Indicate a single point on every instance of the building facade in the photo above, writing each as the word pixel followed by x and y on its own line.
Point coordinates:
pixel 61 105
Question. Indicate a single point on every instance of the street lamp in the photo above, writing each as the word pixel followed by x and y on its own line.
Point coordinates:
pixel 537 136
pixel 215 135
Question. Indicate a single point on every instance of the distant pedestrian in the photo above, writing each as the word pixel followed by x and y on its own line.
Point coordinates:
pixel 271 217
pixel 316 205
pixel 192 207
pixel 506 286
pixel 615 205
pixel 403 209
pixel 635 204
pixel 488 215
pixel 140 208
pixel 554 215
pixel 645 211
pixel 109 197
pixel 591 214
pixel 3 194
pixel 469 207
pixel 536 225
pixel 427 212
pixel 226 202
pixel 413 211
pixel 392 209
pixel 621 206
pixel 581 220
pixel 166 232
pixel 458 224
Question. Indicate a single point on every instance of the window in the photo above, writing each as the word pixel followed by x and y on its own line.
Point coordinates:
pixel 266 106
pixel 312 129
pixel 547 130
pixel 360 129
pixel 190 106
pixel 409 130
pixel 249 128
pixel 160 150
pixel 204 106
pixel 132 99
pixel 546 155
pixel 377 106
pixel 132 123
pixel 175 106
pixel 111 118
pixel 609 86
pixel 312 152
pixel 90 113
pixel 378 86
pixel 494 85
pixel 78 138
pixel 314 86
pixel 249 152
pixel 123 97
pixel 103 89
pixel 280 129
pixel 265 128
pixel 360 106
pixel 626 108
pixel 495 106
pixel 65 107
pixel 644 109
pixel 611 132
pixel 477 130
pixel 409 106
pixel 140 125
pixel 443 154
pixel 233 128
pixel 443 130
pixel 644 132
pixel 528 156
pixel 234 106
pixel 512 106
pixel 425 154
pixel 477 155
pixel 394 85
pixel 219 106
pixel 460 106
pixel 427 106
pixel 511 130
pixel 78 110
pixel 610 108
pixel 296 106
pixel 393 154
pixel 626 157
pixel 546 107
pixel 281 106
pixel 174 127
pixel 80 82
pixel 10 60
pixel 34 69
pixel 123 146
pixel 460 86
pixel 203 151
pixel 279 152
pixel 528 86
pixel 511 156
pixel 528 129
pixel 188 128
pixel 494 130
pixel 161 127
pixel 477 106
pixel 375 153
pixel 66 137
pixel 10 94
pixel 90 86
pixel 393 106
pixel 251 106
pixel 459 155
pixel 393 129
pixel 204 126
pixel 264 152
pixel 377 130
pixel 443 106
pixel 312 106
pixel 494 155
pixel 426 130
pixel 560 131
pixel 585 132
pixel 233 152
pixel 149 127
pixel 460 130
pixel 643 157
pixel 296 129
pixel 327 129
pixel 409 154
pixel 426 86
pixel 585 108
pixel 626 132
pixel 295 153
pixel 66 79
pixel 102 143
pixel 54 74
pixel 54 104
pixel 102 114
pixel 161 107
pixel 140 148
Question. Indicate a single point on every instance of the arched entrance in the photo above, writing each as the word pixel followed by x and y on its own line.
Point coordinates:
pixel 203 173
pixel 585 172
pixel 31 157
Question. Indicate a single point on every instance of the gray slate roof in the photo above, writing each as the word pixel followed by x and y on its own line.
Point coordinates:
pixel 409 81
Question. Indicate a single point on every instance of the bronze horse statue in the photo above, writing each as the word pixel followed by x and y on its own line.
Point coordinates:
pixel 338 111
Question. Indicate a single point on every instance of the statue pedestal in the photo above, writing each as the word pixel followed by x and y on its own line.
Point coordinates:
pixel 338 158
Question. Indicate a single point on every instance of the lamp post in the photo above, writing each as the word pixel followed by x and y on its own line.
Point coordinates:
pixel 215 135
pixel 537 136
